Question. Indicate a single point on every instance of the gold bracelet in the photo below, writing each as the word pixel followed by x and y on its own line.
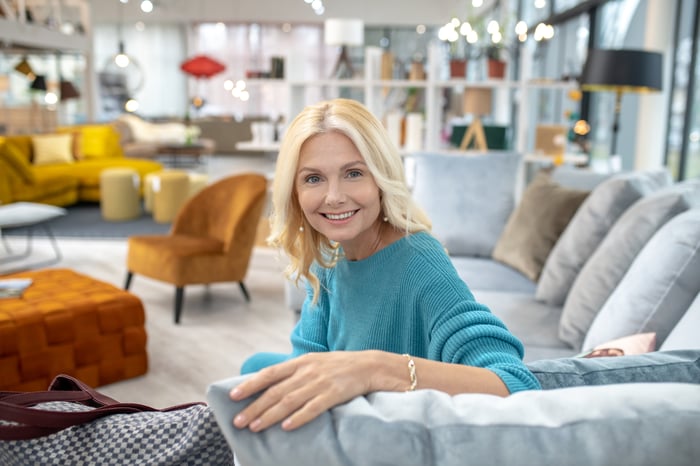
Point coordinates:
pixel 412 373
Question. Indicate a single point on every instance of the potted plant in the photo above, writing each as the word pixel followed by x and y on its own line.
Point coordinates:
pixel 495 62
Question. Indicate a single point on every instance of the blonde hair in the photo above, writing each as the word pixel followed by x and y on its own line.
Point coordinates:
pixel 349 117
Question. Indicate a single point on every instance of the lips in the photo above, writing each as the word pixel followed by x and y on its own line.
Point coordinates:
pixel 342 216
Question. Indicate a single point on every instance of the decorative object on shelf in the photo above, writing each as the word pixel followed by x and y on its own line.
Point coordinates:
pixel 25 68
pixel 344 32
pixel 477 102
pixel 550 140
pixel 621 70
pixel 67 90
pixel 496 64
pixel 414 132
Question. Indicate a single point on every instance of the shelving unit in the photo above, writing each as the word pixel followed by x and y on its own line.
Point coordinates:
pixel 372 89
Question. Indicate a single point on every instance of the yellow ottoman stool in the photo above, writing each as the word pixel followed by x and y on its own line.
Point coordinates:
pixel 170 191
pixel 197 182
pixel 120 194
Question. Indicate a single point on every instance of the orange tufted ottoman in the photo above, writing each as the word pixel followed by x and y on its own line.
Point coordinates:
pixel 70 323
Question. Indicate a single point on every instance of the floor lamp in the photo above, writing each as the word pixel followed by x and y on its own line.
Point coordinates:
pixel 343 32
pixel 621 71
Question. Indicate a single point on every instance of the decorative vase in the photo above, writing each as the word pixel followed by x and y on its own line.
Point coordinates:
pixel 496 69
pixel 458 68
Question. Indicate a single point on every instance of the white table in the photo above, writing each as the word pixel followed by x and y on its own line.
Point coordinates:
pixel 29 215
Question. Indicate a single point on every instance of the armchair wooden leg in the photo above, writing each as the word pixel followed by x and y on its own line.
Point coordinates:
pixel 244 291
pixel 127 283
pixel 179 293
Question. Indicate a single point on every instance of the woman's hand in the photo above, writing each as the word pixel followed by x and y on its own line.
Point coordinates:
pixel 299 390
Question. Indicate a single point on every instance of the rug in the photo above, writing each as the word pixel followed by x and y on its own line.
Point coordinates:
pixel 84 220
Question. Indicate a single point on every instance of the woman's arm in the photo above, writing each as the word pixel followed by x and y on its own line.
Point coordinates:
pixel 297 391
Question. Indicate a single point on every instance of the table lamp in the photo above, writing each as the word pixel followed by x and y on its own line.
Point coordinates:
pixel 344 32
pixel 621 71
pixel 477 102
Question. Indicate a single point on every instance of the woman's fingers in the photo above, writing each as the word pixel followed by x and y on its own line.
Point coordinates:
pixel 299 390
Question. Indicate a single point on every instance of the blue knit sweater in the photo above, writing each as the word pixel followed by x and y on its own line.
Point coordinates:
pixel 406 298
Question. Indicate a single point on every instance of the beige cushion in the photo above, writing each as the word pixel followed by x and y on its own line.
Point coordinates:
pixel 52 148
pixel 535 225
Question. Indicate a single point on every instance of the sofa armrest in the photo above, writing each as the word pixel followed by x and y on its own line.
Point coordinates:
pixel 646 423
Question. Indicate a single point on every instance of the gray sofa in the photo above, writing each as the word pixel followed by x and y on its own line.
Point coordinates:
pixel 626 261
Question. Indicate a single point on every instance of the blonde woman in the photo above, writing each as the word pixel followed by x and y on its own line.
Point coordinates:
pixel 386 310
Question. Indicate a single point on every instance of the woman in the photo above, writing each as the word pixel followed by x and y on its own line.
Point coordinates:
pixel 386 310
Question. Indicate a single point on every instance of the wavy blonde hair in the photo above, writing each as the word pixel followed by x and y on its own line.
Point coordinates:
pixel 305 245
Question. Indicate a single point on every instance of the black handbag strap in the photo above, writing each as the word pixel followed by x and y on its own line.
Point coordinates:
pixel 29 422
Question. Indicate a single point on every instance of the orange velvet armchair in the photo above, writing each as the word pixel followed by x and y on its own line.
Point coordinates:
pixel 211 239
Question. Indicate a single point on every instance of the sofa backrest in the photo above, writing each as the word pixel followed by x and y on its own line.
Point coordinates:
pixel 685 334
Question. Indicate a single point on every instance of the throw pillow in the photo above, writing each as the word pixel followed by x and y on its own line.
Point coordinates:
pixel 658 288
pixel 604 270
pixel 629 345
pixel 535 225
pixel 685 334
pixel 52 148
pixel 659 366
pixel 588 228
pixel 468 198
pixel 17 162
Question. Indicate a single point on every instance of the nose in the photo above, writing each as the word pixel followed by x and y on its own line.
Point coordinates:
pixel 335 194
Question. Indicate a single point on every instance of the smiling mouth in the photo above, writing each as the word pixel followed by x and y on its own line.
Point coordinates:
pixel 343 216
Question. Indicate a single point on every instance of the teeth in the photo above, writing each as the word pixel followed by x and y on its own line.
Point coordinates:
pixel 340 216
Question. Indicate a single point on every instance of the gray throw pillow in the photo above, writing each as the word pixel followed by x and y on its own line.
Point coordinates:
pixel 685 334
pixel 659 366
pixel 605 268
pixel 535 225
pixel 588 228
pixel 659 287
pixel 467 197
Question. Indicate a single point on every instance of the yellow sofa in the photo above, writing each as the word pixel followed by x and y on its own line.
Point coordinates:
pixel 36 168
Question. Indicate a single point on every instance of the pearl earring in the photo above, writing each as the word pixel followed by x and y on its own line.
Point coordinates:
pixel 386 219
pixel 301 228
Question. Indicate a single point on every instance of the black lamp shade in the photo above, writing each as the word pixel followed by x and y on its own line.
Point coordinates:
pixel 622 71
pixel 39 83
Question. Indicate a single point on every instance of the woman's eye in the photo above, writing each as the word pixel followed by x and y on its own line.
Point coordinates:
pixel 312 179
pixel 354 173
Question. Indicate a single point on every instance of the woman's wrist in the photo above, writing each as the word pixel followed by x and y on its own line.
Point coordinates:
pixel 391 372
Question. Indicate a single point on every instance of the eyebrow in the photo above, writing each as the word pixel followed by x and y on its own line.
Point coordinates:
pixel 344 167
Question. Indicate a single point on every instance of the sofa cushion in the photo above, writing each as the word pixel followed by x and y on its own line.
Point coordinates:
pixel 531 321
pixel 480 273
pixel 603 271
pixel 52 149
pixel 535 225
pixel 660 366
pixel 685 334
pixel 468 198
pixel 589 226
pixel 658 288
pixel 586 425
pixel 18 163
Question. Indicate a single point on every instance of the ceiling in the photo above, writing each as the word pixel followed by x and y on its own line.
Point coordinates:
pixel 373 12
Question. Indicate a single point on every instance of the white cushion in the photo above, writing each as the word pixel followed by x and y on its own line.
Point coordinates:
pixel 601 274
pixel 589 226
pixel 659 287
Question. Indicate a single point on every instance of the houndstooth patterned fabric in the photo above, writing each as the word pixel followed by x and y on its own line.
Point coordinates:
pixel 187 436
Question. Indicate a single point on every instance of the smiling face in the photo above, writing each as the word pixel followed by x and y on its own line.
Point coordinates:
pixel 338 194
